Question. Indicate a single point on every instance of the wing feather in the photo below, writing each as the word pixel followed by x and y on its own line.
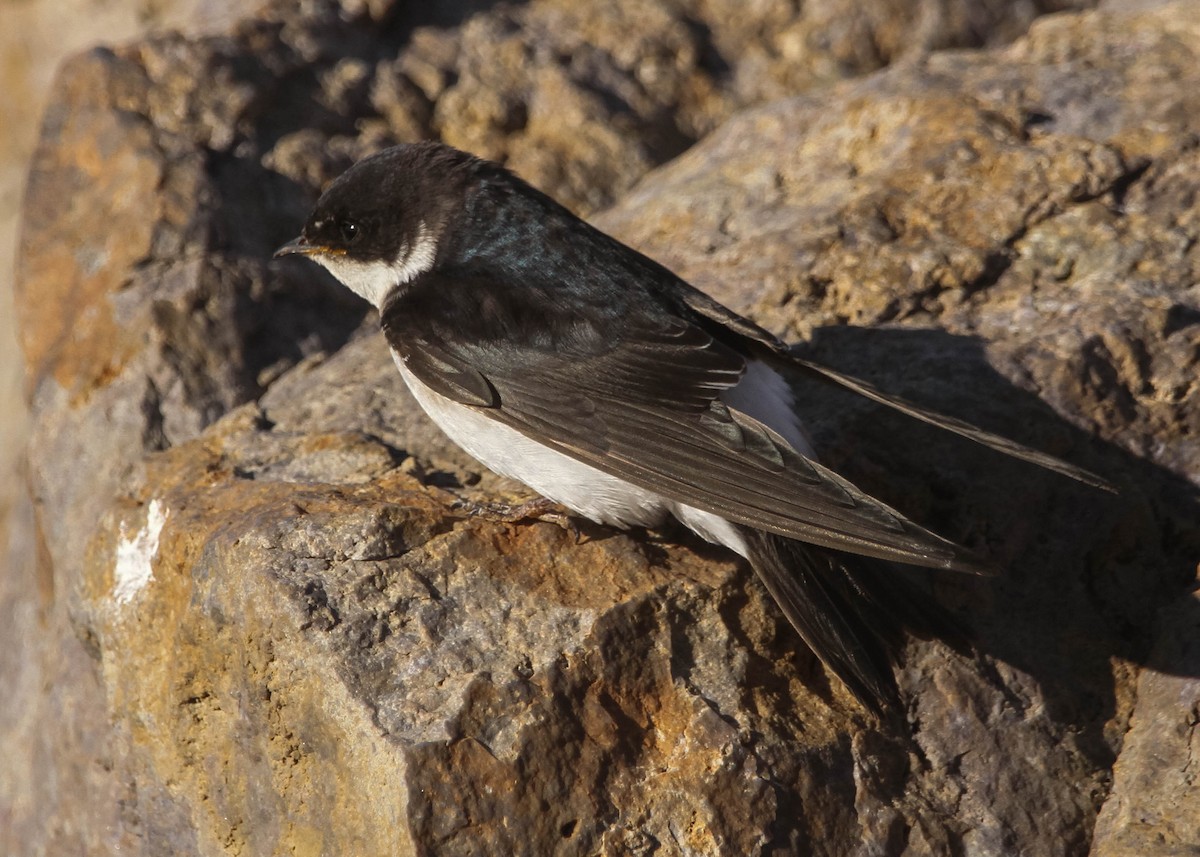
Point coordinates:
pixel 645 406
pixel 714 315
pixel 992 441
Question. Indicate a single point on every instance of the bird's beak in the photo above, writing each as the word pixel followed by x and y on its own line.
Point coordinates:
pixel 297 245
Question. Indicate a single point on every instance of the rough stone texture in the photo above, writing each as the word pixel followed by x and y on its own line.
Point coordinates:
pixel 34 38
pixel 46 678
pixel 1153 807
pixel 1037 204
pixel 582 99
pixel 309 653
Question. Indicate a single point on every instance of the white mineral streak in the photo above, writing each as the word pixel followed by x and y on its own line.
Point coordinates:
pixel 135 556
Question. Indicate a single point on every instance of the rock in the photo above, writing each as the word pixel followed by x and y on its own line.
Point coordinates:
pixel 1152 808
pixel 361 632
pixel 278 614
pixel 47 677
pixel 1039 214
pixel 641 81
pixel 36 36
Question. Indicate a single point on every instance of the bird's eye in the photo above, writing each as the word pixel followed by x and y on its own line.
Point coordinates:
pixel 349 230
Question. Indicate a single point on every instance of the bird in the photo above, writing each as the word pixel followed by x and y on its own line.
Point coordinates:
pixel 564 359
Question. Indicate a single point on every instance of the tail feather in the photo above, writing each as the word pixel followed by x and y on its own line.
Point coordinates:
pixel 852 611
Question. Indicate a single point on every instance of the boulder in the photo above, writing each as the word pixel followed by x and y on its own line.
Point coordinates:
pixel 266 629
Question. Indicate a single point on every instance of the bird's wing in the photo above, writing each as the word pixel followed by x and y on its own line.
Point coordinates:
pixel 919 412
pixel 644 406
pixel 714 312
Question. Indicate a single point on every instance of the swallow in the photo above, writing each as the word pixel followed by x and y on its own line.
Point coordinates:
pixel 562 358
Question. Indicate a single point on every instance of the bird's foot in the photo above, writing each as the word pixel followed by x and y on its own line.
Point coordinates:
pixel 538 509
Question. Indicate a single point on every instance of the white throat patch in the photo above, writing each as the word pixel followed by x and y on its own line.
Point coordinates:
pixel 375 280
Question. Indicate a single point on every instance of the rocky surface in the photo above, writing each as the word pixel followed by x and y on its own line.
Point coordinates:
pixel 1153 807
pixel 35 37
pixel 262 628
pixel 1041 215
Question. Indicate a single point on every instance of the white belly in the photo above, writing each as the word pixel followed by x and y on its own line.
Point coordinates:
pixel 590 492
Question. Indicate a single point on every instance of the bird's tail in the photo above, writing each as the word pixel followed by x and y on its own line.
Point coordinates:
pixel 852 611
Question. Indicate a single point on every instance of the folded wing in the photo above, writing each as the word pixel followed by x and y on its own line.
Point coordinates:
pixel 645 407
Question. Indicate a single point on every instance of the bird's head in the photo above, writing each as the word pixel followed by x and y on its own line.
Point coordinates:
pixel 378 226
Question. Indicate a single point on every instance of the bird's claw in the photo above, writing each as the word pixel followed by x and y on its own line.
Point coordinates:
pixel 538 509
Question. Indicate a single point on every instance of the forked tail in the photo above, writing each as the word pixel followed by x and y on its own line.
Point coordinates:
pixel 852 611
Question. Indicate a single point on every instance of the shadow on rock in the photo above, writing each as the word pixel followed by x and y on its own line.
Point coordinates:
pixel 1084 573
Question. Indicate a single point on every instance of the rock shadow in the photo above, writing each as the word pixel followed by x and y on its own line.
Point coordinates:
pixel 1085 574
